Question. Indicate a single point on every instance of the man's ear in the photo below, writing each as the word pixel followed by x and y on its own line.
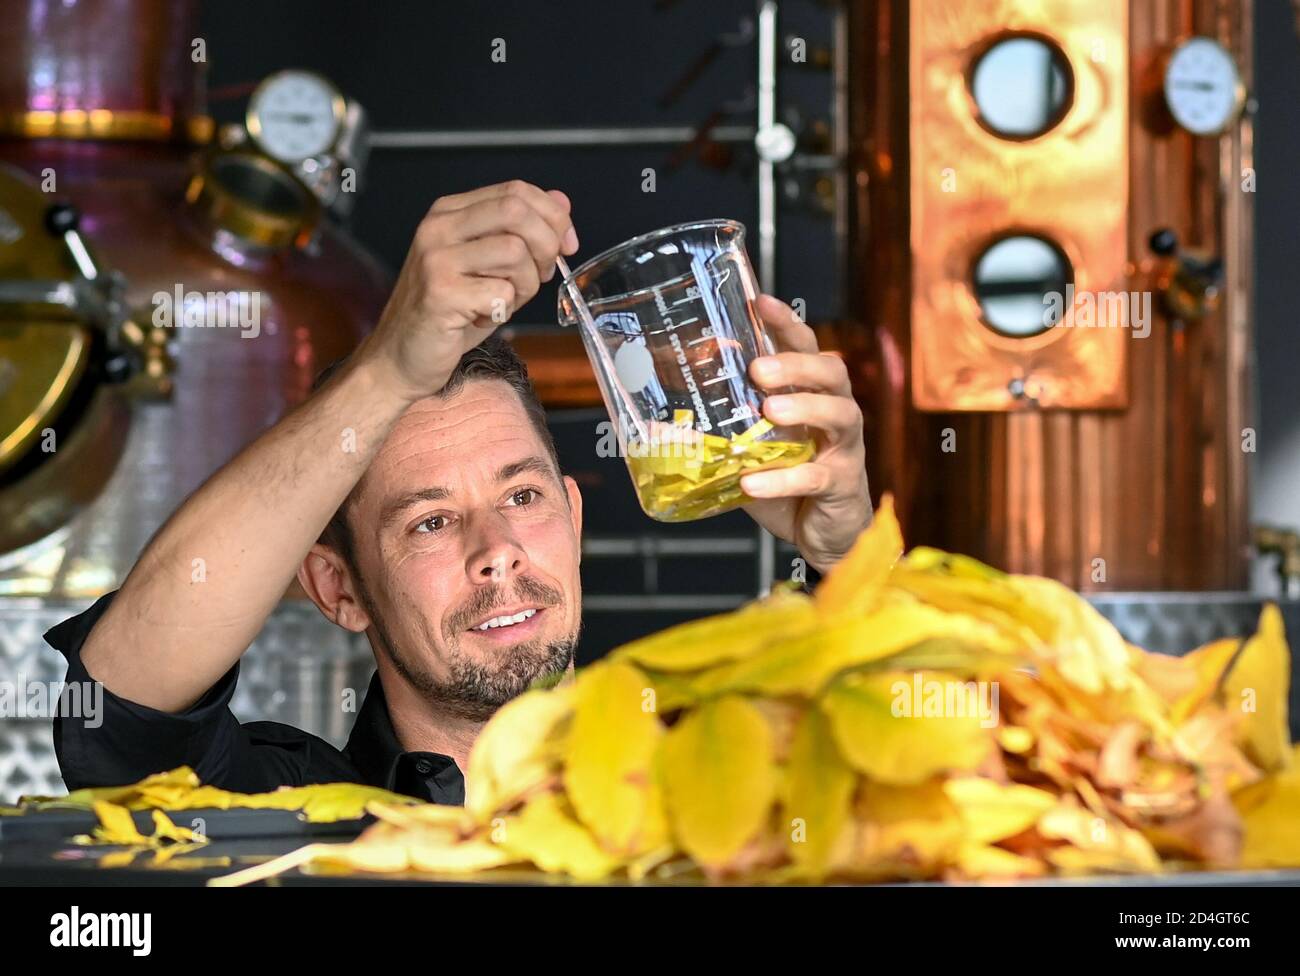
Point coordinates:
pixel 325 577
pixel 575 508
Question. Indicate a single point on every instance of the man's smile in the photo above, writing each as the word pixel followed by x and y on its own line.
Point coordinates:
pixel 511 624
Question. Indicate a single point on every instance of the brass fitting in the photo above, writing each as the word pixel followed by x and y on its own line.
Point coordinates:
pixel 1285 544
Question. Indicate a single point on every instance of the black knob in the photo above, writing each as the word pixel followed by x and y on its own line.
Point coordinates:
pixel 61 218
pixel 117 369
pixel 1164 242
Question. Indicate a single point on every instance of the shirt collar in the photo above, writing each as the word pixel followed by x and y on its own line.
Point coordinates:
pixel 378 756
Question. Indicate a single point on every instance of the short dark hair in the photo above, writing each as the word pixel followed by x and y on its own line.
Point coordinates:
pixel 491 359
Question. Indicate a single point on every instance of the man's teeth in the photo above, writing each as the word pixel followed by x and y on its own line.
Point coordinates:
pixel 506 621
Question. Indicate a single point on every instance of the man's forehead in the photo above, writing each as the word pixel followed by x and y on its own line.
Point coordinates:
pixel 483 425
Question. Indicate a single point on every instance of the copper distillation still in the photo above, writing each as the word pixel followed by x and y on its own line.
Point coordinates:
pixel 168 290
pixel 127 222
pixel 1112 457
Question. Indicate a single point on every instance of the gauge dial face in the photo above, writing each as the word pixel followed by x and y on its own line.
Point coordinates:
pixel 1202 87
pixel 294 115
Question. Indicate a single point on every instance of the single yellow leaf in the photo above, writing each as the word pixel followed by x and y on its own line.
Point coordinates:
pixel 1083 646
pixel 988 596
pixel 901 728
pixel 1270 811
pixel 321 802
pixel 930 560
pixel 995 811
pixel 818 794
pixel 719 778
pixel 546 834
pixel 981 861
pixel 115 825
pixel 906 831
pixel 164 829
pixel 854 583
pixel 725 637
pixel 610 750
pixel 518 750
pixel 381 848
pixel 1257 687
pixel 430 852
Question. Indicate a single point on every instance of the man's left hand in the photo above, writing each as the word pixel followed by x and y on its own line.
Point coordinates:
pixel 819 506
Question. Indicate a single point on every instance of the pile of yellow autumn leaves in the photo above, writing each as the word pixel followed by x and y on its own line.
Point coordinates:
pixel 918 717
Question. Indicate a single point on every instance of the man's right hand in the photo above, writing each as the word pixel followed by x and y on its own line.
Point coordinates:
pixel 476 258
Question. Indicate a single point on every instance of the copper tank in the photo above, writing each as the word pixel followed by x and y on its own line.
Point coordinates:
pixel 1154 485
pixel 107 97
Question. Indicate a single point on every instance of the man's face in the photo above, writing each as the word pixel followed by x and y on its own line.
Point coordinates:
pixel 466 544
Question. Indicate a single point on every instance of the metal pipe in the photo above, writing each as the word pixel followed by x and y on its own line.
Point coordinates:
pixel 546 138
pixel 767 46
pixel 614 547
pixel 656 601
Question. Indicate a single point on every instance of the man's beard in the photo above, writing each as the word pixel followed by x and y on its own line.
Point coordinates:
pixel 475 689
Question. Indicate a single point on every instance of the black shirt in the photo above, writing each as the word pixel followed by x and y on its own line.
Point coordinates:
pixel 133 741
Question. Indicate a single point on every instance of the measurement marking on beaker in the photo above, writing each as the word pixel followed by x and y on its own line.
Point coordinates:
pixel 703 362
pixel 714 403
pixel 734 420
pixel 722 377
pixel 685 322
pixel 688 298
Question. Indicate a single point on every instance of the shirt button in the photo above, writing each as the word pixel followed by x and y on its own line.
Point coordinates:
pixel 423 767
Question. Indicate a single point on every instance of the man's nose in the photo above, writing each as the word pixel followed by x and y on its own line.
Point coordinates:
pixel 496 557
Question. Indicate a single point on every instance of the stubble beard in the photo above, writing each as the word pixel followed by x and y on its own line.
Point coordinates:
pixel 474 688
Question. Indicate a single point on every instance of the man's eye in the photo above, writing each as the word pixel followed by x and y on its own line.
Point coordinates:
pixel 433 523
pixel 524 496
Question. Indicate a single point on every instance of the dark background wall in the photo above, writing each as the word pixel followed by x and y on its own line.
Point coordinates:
pixel 581 63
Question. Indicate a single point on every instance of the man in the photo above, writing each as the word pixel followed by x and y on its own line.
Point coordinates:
pixel 418 498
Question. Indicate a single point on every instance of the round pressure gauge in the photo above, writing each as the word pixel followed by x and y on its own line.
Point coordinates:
pixel 294 115
pixel 1202 87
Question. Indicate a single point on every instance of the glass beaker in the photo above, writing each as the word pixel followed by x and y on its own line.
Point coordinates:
pixel 669 324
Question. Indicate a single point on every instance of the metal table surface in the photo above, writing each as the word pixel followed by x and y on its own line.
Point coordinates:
pixel 45 863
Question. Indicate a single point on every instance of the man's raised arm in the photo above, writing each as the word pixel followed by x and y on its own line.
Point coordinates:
pixel 167 638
